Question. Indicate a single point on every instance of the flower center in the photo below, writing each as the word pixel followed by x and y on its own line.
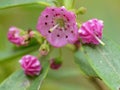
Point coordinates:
pixel 61 22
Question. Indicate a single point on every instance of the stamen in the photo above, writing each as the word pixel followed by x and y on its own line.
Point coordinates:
pixel 52 29
pixel 100 41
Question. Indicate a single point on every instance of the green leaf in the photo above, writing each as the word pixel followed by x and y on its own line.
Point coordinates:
pixel 36 84
pixel 80 59
pixel 66 72
pixel 69 4
pixel 105 60
pixel 19 81
pixel 13 51
pixel 51 84
pixel 11 54
pixel 13 3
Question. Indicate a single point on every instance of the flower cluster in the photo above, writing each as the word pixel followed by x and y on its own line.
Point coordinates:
pixel 57 27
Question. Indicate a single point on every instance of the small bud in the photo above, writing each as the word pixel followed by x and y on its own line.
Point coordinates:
pixel 81 10
pixel 30 65
pixel 44 49
pixel 91 32
pixel 16 36
pixel 55 63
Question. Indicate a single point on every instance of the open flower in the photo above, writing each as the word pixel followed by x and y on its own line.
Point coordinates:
pixel 30 65
pixel 58 26
pixel 91 31
pixel 15 37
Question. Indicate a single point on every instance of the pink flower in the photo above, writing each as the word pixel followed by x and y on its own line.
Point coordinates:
pixel 91 31
pixel 14 36
pixel 58 26
pixel 54 64
pixel 30 65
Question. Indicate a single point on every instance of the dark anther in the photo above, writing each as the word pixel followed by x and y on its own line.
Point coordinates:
pixel 49 31
pixel 66 36
pixel 56 14
pixel 61 9
pixel 45 23
pixel 52 22
pixel 53 10
pixel 58 35
pixel 71 31
pixel 46 16
pixel 68 20
pixel 68 26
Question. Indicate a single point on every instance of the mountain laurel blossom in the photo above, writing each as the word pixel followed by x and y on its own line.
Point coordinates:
pixel 58 26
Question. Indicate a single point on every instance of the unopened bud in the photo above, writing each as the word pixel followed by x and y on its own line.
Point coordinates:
pixel 55 63
pixel 81 10
pixel 31 65
pixel 16 36
pixel 44 49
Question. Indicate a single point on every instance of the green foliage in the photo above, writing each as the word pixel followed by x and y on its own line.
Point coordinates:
pixel 94 61
pixel 69 4
pixel 19 81
pixel 80 59
pixel 8 55
pixel 104 60
pixel 13 3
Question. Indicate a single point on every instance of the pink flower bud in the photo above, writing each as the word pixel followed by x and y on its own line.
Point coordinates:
pixel 91 31
pixel 31 33
pixel 30 65
pixel 55 64
pixel 15 37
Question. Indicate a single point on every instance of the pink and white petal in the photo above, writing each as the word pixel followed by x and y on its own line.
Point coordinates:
pixel 55 40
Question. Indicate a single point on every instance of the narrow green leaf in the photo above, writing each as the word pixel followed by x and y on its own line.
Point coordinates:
pixel 36 84
pixel 8 55
pixel 19 81
pixel 105 60
pixel 13 3
pixel 80 59
pixel 63 73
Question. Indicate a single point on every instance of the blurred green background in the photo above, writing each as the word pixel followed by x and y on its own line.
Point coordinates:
pixel 69 77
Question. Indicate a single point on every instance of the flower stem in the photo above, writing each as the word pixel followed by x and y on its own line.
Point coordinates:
pixel 98 83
